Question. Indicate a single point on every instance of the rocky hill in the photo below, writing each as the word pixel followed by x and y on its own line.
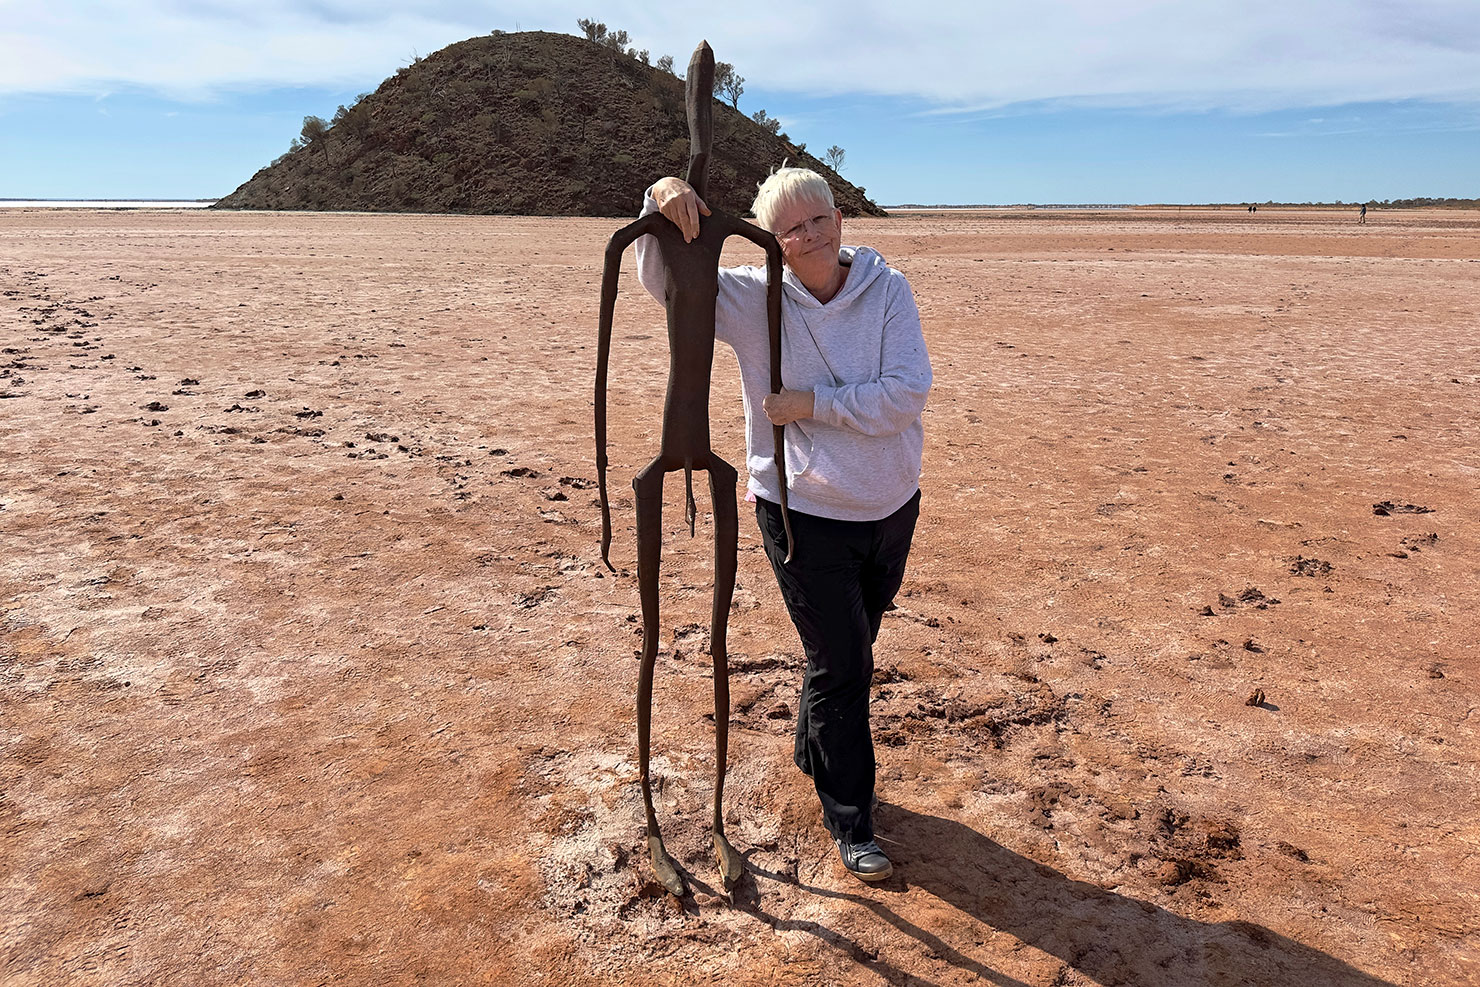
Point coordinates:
pixel 528 123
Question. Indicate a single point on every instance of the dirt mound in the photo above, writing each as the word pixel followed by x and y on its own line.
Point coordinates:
pixel 531 123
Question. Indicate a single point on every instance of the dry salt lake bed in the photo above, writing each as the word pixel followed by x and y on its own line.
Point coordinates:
pixel 310 670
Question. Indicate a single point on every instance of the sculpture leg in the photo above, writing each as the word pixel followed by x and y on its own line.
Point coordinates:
pixel 722 477
pixel 649 488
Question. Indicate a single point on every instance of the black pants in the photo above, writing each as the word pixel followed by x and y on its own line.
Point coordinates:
pixel 843 578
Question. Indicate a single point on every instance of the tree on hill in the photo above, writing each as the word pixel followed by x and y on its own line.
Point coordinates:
pixel 315 132
pixel 766 120
pixel 666 63
pixel 354 119
pixel 728 83
pixel 835 156
pixel 617 41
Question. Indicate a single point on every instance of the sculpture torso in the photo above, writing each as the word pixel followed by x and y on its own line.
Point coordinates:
pixel 691 283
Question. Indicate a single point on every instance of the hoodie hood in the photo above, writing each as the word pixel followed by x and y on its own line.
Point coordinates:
pixel 865 265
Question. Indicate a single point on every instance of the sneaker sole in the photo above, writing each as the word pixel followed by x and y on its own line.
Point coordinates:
pixel 882 875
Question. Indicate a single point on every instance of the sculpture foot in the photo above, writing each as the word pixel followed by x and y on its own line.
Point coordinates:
pixel 731 864
pixel 668 875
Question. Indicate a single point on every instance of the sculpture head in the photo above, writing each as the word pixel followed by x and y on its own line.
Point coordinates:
pixel 699 95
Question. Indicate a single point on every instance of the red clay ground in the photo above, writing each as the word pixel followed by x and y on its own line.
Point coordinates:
pixel 311 673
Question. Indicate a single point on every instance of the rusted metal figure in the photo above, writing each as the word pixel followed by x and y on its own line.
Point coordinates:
pixel 691 282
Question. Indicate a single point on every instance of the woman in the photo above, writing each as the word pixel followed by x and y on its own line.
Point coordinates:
pixel 855 375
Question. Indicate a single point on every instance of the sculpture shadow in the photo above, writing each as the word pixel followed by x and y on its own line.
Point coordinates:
pixel 1107 937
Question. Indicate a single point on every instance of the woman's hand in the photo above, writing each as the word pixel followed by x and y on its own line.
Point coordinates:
pixel 678 202
pixel 788 406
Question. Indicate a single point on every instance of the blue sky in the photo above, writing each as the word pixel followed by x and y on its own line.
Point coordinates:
pixel 1058 101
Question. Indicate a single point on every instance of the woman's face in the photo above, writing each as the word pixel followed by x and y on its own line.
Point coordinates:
pixel 810 234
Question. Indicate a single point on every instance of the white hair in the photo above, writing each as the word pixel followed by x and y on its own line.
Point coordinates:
pixel 786 187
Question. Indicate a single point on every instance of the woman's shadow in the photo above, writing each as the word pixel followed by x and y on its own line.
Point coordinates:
pixel 1106 937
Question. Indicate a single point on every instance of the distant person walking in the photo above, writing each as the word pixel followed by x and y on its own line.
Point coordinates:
pixel 1362 216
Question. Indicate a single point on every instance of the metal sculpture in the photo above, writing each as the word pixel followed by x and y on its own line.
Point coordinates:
pixel 691 284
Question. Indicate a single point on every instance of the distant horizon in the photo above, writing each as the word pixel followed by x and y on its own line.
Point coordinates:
pixel 1428 202
pixel 110 198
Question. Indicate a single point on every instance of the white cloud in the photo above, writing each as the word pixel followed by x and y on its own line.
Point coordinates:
pixel 956 56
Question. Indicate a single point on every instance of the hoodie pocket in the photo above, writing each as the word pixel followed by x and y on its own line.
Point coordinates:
pixel 832 474
pixel 798 457
pixel 855 472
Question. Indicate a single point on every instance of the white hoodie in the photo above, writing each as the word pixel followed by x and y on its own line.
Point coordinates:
pixel 862 355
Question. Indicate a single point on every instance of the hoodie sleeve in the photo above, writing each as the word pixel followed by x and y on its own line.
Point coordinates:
pixel 893 401
pixel 649 254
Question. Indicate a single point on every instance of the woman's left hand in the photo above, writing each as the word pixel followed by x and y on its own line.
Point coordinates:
pixel 788 406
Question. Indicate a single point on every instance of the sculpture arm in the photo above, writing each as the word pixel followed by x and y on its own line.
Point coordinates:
pixel 610 272
pixel 767 242
pixel 649 254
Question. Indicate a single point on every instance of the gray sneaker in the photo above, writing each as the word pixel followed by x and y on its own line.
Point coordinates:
pixel 865 861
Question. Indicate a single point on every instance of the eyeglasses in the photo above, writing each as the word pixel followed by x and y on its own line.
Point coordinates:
pixel 800 230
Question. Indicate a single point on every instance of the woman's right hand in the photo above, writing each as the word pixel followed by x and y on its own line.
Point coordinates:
pixel 680 204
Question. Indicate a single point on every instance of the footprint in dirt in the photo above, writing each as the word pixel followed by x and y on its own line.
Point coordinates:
pixel 535 597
